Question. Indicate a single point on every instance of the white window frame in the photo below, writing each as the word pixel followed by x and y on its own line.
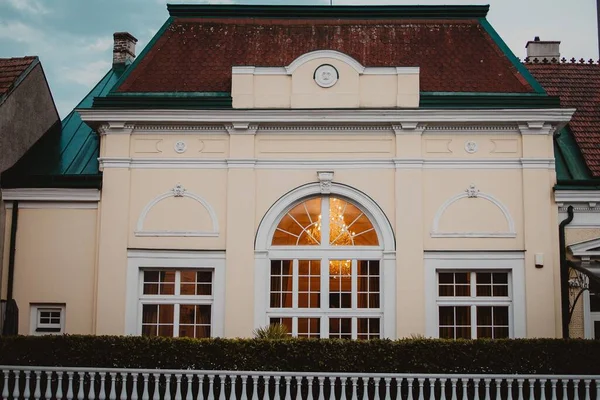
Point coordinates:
pixel 385 252
pixel 36 327
pixel 476 261
pixel 325 312
pixel 140 260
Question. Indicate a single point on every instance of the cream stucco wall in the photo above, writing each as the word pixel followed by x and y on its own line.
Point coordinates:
pixel 295 86
pixel 55 263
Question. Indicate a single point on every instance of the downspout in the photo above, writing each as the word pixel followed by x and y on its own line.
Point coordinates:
pixel 564 273
pixel 11 255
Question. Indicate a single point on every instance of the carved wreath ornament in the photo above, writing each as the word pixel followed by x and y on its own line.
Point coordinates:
pixel 326 76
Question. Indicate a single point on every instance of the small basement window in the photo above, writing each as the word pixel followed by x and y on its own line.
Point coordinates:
pixel 47 319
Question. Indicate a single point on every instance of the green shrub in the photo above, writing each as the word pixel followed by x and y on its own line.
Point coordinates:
pixel 273 331
pixel 550 356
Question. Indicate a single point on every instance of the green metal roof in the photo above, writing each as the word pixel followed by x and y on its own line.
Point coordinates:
pixel 66 155
pixel 571 171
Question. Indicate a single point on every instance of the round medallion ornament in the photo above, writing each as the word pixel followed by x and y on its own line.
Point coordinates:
pixel 471 147
pixel 326 76
pixel 180 146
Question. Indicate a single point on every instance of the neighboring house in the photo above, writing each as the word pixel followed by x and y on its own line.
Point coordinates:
pixel 350 172
pixel 577 150
pixel 27 111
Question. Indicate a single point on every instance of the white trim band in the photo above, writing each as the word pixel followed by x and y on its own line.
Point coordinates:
pixel 51 194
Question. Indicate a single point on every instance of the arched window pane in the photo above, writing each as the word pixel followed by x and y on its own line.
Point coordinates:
pixel 349 226
pixel 300 226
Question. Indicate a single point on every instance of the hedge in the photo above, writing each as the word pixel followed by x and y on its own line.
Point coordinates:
pixel 550 356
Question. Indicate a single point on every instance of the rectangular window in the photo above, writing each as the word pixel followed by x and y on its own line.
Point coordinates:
pixel 176 303
pixel 47 319
pixel 474 304
pixel 336 298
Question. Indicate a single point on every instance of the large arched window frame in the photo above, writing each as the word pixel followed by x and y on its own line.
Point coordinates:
pixel 383 253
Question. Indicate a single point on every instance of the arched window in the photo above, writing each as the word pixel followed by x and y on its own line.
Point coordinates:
pixel 325 271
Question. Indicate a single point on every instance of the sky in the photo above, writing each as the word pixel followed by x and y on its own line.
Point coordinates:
pixel 73 38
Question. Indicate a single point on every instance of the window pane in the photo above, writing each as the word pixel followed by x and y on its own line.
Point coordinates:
pixel 594 296
pixel 455 322
pixel 309 327
pixel 349 226
pixel 340 284
pixel 281 284
pixel 454 284
pixel 340 328
pixel 194 319
pixel 500 277
pixel 283 321
pixel 368 284
pixel 157 319
pixel 492 322
pixel 149 314
pixel 368 328
pixel 300 226
pixel 309 283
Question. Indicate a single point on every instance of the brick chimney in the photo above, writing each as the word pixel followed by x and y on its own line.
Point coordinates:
pixel 123 48
pixel 543 49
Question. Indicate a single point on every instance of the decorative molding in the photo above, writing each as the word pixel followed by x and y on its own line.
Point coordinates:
pixel 438 146
pixel 587 248
pixel 482 117
pixel 471 146
pixel 326 76
pixel 241 128
pixel 375 163
pixel 536 128
pixel 180 147
pixel 325 178
pixel 45 205
pixel 472 128
pixel 342 129
pixel 504 146
pixel 472 192
pixel 178 128
pixel 409 127
pixel 51 194
pixel 331 54
pixel 561 197
pixel 177 191
pixel 145 146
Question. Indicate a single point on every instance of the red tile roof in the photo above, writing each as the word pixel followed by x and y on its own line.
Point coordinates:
pixel 578 86
pixel 10 71
pixel 196 54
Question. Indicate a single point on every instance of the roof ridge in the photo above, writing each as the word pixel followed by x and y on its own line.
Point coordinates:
pixel 321 11
pixel 554 60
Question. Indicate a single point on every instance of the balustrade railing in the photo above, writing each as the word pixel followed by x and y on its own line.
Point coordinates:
pixel 36 383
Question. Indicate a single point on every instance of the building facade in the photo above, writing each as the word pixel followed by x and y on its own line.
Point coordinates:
pixel 350 172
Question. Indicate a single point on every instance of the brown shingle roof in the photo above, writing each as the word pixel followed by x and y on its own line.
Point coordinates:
pixel 10 71
pixel 578 86
pixel 196 54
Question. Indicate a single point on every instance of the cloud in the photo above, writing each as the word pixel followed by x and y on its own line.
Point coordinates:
pixel 87 74
pixel 27 6
pixel 20 32
pixel 101 44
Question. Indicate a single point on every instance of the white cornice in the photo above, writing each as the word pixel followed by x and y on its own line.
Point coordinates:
pixel 51 194
pixel 373 163
pixel 591 197
pixel 325 117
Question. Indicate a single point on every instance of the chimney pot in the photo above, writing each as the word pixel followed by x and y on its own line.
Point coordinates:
pixel 543 49
pixel 123 48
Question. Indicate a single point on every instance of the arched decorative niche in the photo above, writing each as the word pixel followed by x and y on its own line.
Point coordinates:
pixel 474 194
pixel 178 192
pixel 329 54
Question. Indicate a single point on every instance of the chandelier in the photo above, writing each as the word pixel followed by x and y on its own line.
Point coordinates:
pixel 339 235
